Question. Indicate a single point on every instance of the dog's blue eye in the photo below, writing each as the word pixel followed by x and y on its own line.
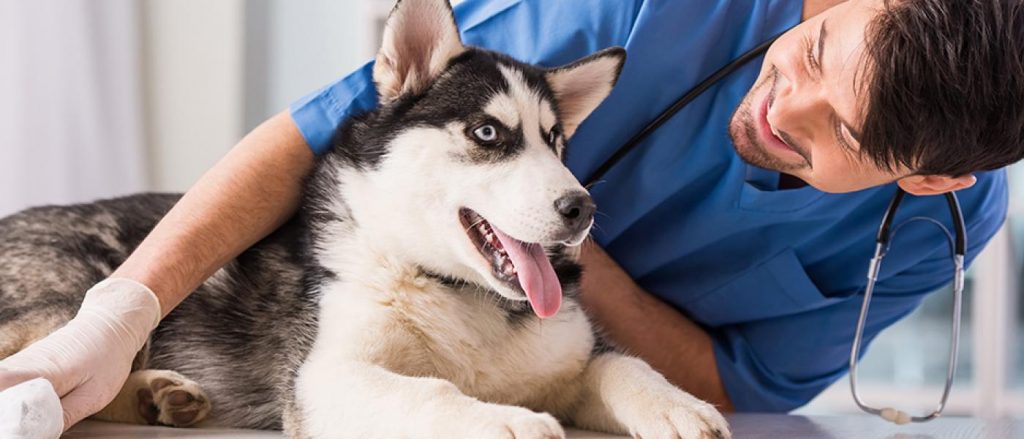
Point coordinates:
pixel 487 133
pixel 552 136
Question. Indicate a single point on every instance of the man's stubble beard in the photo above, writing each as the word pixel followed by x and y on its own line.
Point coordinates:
pixel 743 131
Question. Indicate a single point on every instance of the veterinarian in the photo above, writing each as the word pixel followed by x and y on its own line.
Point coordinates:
pixel 730 249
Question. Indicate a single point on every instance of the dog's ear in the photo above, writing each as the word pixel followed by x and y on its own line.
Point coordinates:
pixel 420 38
pixel 580 87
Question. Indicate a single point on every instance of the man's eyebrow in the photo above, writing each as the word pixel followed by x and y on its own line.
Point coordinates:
pixel 822 34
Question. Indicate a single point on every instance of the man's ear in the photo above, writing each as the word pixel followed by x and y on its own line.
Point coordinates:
pixel 420 38
pixel 580 87
pixel 935 184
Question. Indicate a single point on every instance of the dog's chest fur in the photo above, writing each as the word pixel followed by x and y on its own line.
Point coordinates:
pixel 392 314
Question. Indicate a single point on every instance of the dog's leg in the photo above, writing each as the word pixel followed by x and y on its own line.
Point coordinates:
pixel 157 397
pixel 625 395
pixel 358 399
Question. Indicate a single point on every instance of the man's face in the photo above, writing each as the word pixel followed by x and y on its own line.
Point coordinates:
pixel 804 112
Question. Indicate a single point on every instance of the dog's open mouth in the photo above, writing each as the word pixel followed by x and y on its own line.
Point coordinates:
pixel 523 266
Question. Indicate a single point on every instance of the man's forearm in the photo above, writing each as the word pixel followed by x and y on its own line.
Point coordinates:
pixel 647 327
pixel 254 189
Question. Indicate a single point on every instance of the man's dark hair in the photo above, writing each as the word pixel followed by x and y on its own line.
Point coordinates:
pixel 946 95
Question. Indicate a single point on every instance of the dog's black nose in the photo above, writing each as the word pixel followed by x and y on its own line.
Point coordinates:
pixel 577 209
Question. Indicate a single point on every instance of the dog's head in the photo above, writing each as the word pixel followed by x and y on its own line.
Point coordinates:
pixel 460 169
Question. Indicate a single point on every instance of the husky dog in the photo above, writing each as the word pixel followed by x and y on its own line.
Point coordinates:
pixel 425 289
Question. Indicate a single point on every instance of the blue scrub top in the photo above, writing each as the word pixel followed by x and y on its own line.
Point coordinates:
pixel 774 276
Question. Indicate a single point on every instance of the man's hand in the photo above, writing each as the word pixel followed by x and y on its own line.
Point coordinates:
pixel 88 360
pixel 643 325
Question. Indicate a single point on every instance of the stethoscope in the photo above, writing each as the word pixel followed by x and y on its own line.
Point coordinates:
pixel 882 241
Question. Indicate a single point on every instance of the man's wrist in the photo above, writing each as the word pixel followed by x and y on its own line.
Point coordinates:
pixel 127 305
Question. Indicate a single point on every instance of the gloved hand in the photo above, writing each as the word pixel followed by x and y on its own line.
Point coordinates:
pixel 30 410
pixel 88 360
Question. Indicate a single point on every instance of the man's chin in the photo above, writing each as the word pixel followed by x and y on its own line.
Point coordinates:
pixel 744 141
pixel 758 157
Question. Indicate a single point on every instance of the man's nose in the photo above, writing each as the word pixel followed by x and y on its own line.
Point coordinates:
pixel 797 106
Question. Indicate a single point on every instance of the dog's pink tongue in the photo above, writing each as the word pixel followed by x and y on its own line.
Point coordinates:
pixel 536 274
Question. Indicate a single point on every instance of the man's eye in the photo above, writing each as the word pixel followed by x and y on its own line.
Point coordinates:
pixel 843 137
pixel 811 60
pixel 486 133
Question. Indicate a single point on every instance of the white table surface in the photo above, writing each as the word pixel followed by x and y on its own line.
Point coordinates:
pixel 756 426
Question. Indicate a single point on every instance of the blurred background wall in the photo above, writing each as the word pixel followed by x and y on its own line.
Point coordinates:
pixel 105 97
pixel 215 70
pixel 108 97
pixel 71 105
pixel 194 75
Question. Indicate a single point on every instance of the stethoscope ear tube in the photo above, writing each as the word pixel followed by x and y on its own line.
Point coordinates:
pixel 960 245
pixel 960 235
pixel 890 213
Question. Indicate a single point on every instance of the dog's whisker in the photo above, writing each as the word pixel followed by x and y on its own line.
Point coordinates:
pixel 595 183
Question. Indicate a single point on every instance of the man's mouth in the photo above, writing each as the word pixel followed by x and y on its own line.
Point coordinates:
pixel 522 266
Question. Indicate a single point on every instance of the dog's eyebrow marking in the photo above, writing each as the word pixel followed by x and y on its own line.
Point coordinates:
pixel 547 116
pixel 531 110
pixel 503 107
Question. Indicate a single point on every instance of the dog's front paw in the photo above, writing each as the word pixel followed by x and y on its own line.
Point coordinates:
pixel 683 422
pixel 676 414
pixel 508 422
pixel 168 398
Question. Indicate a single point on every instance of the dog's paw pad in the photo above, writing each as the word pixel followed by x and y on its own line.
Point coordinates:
pixel 172 400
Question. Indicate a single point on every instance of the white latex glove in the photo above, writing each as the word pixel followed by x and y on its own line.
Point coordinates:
pixel 88 360
pixel 30 410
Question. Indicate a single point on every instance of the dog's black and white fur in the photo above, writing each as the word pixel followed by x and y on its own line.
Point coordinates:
pixel 391 306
